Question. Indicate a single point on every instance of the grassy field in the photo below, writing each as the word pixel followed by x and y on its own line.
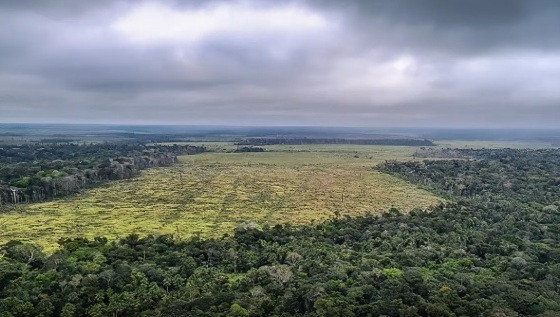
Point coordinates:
pixel 209 194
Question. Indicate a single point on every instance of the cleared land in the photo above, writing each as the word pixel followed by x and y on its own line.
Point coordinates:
pixel 209 194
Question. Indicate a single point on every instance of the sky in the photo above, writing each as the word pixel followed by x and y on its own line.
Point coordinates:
pixel 370 63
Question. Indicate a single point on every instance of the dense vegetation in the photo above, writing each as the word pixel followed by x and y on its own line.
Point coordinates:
pixel 307 140
pixel 247 149
pixel 532 177
pixel 36 172
pixel 493 251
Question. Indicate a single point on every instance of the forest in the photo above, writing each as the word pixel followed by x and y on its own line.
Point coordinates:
pixel 492 250
pixel 311 140
pixel 38 172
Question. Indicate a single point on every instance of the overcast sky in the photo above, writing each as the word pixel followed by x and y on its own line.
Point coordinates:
pixel 424 63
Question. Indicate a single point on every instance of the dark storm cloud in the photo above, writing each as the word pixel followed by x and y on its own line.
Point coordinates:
pixel 319 62
pixel 456 26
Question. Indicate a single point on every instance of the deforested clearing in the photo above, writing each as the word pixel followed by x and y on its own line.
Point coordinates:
pixel 209 194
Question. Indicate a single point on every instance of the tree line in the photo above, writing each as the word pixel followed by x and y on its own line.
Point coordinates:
pixel 306 140
pixel 38 172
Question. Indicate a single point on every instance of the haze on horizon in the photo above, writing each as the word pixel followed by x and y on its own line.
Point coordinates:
pixel 426 63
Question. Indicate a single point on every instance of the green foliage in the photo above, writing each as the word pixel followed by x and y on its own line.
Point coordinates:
pixel 393 272
pixel 237 311
pixel 21 182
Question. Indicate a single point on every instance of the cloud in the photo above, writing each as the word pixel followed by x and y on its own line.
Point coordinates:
pixel 317 62
pixel 153 23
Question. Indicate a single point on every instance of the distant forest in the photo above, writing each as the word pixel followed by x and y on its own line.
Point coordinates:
pixel 305 140
pixel 492 250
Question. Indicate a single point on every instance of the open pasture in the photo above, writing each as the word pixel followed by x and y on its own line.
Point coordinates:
pixel 209 194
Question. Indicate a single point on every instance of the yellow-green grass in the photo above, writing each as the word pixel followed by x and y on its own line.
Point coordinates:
pixel 209 194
